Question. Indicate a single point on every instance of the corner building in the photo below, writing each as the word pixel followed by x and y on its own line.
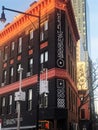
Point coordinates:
pixel 19 48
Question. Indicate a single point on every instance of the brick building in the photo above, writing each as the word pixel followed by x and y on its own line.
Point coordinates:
pixel 19 48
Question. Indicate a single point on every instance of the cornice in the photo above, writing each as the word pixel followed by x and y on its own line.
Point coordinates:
pixel 22 21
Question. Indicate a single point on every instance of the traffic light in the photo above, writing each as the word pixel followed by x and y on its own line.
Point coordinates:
pixel 44 124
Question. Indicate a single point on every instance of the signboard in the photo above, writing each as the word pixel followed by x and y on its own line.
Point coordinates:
pixel 43 87
pixel 60 93
pixel 60 39
pixel 20 96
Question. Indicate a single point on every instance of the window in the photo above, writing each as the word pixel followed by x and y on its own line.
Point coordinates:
pixel 10 104
pixel 5 52
pixel 82 113
pixel 44 60
pixel 43 100
pixel 3 105
pixel 20 45
pixel 17 76
pixel 11 75
pixel 30 99
pixel 4 76
pixel 12 46
pixel 30 66
pixel 31 34
pixel 46 25
pixel 41 36
pixel 44 31
pixel 46 56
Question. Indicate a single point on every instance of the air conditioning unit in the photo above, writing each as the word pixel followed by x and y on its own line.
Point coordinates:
pixel 28 74
pixel 2 84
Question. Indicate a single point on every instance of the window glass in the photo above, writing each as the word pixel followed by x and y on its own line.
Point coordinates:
pixel 12 71
pixel 42 58
pixel 3 102
pixel 10 100
pixel 31 34
pixel 30 94
pixel 46 25
pixel 13 46
pixel 46 56
pixel 20 45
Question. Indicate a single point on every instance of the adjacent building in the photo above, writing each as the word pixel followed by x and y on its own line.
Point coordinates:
pixel 84 70
pixel 19 46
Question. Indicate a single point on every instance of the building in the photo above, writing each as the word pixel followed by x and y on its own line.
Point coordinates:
pixel 81 11
pixel 19 45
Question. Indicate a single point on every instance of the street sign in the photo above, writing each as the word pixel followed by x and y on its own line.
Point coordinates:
pixel 43 87
pixel 20 96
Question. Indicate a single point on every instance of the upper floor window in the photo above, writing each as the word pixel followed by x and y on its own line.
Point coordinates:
pixel 30 66
pixel 11 75
pixel 44 57
pixel 42 36
pixel 10 104
pixel 43 60
pixel 3 105
pixel 17 72
pixel 4 76
pixel 43 100
pixel 30 99
pixel 3 102
pixel 12 46
pixel 5 52
pixel 43 31
pixel 46 25
pixel 12 71
pixel 31 34
pixel 20 45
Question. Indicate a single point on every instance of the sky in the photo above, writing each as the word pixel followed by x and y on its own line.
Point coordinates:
pixel 23 5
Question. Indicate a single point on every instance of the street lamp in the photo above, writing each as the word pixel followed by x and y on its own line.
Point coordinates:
pixel 19 96
pixel 3 19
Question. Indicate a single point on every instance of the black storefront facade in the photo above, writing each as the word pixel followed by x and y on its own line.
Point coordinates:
pixel 58 56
